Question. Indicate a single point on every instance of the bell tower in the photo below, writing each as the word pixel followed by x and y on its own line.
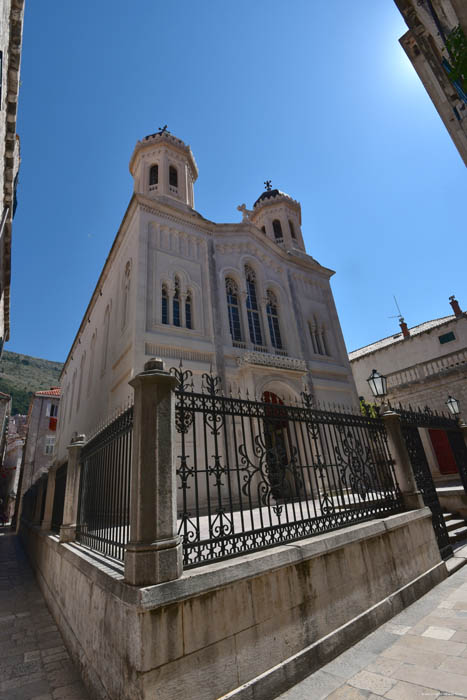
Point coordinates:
pixel 279 217
pixel 163 166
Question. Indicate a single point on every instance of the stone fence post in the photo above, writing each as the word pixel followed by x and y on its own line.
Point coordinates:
pixel 49 500
pixel 70 503
pixel 154 551
pixel 411 496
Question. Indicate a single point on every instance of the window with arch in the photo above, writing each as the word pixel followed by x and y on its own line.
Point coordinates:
pixel 273 320
pixel 318 337
pixel 292 230
pixel 173 176
pixel 105 340
pixel 188 311
pixel 176 303
pixel 165 304
pixel 233 308
pixel 254 324
pixel 126 293
pixel 277 228
pixel 153 174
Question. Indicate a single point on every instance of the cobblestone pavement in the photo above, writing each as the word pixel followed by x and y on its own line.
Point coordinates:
pixel 34 664
pixel 421 654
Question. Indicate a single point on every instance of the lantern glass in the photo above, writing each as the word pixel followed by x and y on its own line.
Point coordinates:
pixel 453 405
pixel 378 384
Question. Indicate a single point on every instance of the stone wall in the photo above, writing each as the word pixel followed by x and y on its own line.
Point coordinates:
pixel 293 608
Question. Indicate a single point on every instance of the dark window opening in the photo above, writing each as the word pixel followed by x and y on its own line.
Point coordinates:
pixel 276 225
pixel 154 175
pixel 173 176
pixel 446 338
pixel 188 312
pixel 292 230
pixel 165 306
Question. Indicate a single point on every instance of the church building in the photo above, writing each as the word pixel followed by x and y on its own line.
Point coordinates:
pixel 243 299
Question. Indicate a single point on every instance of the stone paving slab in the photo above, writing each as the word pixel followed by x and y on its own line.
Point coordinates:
pixel 420 654
pixel 34 663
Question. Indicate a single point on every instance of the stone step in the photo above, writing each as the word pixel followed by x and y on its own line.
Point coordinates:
pixel 446 516
pixel 453 523
pixel 459 534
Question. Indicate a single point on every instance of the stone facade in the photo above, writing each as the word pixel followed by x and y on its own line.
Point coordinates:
pixel 39 449
pixel 429 25
pixel 13 457
pixel 11 29
pixel 424 364
pixel 241 298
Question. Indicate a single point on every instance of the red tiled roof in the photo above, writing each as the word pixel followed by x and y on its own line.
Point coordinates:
pixel 53 391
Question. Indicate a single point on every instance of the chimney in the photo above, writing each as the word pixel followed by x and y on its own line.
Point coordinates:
pixel 404 329
pixel 455 305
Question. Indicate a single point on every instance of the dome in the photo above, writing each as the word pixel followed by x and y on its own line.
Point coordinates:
pixel 271 194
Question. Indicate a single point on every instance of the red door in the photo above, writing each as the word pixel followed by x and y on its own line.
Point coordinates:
pixel 442 448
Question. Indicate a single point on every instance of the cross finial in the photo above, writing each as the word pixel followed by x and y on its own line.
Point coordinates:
pixel 267 184
pixel 163 130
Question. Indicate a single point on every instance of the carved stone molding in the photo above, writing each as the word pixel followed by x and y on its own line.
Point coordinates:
pixel 268 360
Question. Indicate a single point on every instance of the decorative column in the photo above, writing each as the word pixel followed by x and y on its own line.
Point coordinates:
pixel 49 500
pixel 70 504
pixel 154 552
pixel 411 496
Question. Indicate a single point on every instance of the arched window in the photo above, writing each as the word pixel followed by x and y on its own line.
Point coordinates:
pixel 277 228
pixel 165 305
pixel 176 303
pixel 273 320
pixel 153 175
pixel 173 176
pixel 233 308
pixel 318 337
pixel 254 324
pixel 292 230
pixel 188 315
pixel 105 340
pixel 126 293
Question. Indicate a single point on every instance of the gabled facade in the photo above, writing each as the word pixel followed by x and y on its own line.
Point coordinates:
pixel 241 298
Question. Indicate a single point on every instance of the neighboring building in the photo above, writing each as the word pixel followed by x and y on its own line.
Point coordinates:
pixel 242 298
pixel 10 473
pixel 5 409
pixel 39 448
pixel 11 30
pixel 424 364
pixel 426 44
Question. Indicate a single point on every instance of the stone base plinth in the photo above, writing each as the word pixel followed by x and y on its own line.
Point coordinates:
pixel 227 627
pixel 158 562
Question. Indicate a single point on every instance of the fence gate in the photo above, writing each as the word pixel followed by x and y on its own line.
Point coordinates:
pixel 411 421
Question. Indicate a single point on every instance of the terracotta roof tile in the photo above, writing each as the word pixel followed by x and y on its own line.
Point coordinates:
pixel 53 391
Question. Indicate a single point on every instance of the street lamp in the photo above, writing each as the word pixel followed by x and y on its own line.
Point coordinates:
pixel 453 405
pixel 378 384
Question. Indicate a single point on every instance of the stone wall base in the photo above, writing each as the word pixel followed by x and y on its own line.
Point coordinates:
pixel 453 499
pixel 246 628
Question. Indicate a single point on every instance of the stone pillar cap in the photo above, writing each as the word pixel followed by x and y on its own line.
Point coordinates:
pixel 155 363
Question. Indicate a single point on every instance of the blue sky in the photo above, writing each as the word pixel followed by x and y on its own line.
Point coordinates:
pixel 316 95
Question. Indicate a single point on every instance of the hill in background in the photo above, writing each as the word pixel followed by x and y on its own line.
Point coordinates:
pixel 22 375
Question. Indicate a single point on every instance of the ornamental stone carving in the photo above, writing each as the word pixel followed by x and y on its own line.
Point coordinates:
pixel 268 360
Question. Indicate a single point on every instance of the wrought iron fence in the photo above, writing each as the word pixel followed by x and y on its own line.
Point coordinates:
pixel 104 493
pixel 411 420
pixel 254 474
pixel 59 497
